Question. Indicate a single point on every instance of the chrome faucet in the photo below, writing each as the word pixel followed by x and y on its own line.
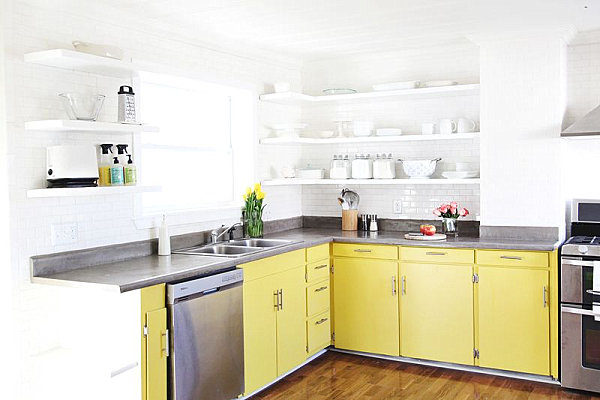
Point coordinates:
pixel 215 235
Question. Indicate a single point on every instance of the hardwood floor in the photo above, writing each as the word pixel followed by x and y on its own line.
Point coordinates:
pixel 344 376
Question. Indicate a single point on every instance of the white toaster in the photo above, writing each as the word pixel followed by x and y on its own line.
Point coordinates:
pixel 71 166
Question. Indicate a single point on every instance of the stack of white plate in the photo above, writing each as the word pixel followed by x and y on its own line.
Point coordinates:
pixel 460 174
pixel 288 130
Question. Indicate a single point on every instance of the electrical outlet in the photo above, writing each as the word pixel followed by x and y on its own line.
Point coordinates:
pixel 397 207
pixel 64 233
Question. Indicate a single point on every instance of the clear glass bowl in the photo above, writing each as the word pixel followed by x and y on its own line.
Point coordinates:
pixel 81 106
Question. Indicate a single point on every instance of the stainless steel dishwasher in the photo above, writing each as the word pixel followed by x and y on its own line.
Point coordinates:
pixel 207 340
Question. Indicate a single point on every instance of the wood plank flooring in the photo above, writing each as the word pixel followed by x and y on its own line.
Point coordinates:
pixel 344 376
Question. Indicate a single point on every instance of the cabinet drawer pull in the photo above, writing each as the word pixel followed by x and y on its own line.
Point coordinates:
pixel 281 299
pixel 165 349
pixel 276 295
pixel 436 253
pixel 511 257
pixel 320 266
pixel 320 289
pixel 362 250
pixel 319 322
pixel 403 285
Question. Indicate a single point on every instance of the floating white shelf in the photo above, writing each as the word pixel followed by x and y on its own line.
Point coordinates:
pixel 78 61
pixel 64 125
pixel 90 191
pixel 293 98
pixel 367 139
pixel 297 181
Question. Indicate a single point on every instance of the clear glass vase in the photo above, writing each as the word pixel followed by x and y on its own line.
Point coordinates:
pixel 254 225
pixel 450 226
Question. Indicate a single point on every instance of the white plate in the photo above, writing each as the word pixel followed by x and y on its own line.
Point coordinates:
pixel 419 236
pixel 388 132
pixel 396 85
pixel 460 174
pixel 439 83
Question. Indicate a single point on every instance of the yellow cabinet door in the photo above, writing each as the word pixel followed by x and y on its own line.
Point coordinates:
pixel 260 327
pixel 291 328
pixel 156 355
pixel 514 319
pixel 436 309
pixel 366 305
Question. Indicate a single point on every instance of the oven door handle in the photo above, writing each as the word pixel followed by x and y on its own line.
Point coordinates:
pixel 579 311
pixel 577 263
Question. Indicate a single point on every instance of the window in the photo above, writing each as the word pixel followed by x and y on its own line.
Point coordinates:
pixel 203 155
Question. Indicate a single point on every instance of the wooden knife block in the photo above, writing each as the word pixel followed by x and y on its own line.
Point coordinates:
pixel 349 220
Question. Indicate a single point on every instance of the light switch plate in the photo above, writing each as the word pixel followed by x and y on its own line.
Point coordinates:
pixel 397 206
pixel 64 233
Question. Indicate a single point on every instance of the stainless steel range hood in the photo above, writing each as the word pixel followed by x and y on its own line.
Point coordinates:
pixel 587 126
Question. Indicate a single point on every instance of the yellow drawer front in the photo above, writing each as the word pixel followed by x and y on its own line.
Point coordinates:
pixel 317 271
pixel 437 255
pixel 386 252
pixel 317 253
pixel 512 258
pixel 317 298
pixel 318 332
pixel 272 265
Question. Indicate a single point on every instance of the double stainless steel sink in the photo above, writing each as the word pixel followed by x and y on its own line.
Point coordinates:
pixel 234 248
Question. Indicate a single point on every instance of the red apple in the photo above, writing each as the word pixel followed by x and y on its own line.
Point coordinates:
pixel 428 230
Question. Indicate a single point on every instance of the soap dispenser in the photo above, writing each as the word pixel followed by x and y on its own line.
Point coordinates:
pixel 116 173
pixel 105 164
pixel 122 152
pixel 130 172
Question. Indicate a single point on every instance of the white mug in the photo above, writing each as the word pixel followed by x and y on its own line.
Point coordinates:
pixel 428 128
pixel 465 125
pixel 447 126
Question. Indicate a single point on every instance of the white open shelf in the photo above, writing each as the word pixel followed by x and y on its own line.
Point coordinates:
pixel 64 125
pixel 78 61
pixel 297 181
pixel 90 191
pixel 293 98
pixel 367 139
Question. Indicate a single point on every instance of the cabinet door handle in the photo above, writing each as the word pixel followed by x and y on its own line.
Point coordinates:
pixel 544 294
pixel 362 250
pixel 276 295
pixel 319 322
pixel 320 289
pixel 511 257
pixel 394 285
pixel 165 349
pixel 436 253
pixel 321 266
pixel 281 299
pixel 403 280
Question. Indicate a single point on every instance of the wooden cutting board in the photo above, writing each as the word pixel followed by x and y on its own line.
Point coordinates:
pixel 419 236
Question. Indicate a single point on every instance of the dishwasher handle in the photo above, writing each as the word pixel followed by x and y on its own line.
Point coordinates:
pixel 204 285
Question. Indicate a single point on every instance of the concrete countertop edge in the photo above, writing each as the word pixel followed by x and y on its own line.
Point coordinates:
pixel 220 265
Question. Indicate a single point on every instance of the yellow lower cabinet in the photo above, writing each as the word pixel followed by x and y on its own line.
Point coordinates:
pixel 436 310
pixel 154 351
pixel 317 298
pixel 260 332
pixel 514 319
pixel 318 330
pixel 366 305
pixel 291 332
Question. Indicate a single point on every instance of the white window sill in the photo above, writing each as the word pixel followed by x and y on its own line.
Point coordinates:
pixel 180 218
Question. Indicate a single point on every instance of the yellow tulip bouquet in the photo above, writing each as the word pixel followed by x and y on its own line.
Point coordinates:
pixel 253 210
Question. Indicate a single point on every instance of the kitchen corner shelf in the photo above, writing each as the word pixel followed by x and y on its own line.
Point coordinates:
pixel 83 62
pixel 67 125
pixel 90 191
pixel 367 139
pixel 293 98
pixel 389 182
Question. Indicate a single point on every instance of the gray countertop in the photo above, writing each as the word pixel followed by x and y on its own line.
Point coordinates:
pixel 146 271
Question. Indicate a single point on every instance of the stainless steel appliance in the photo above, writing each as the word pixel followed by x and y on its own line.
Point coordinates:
pixel 580 299
pixel 207 338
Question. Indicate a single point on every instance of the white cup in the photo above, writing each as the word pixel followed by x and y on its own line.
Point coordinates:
pixel 465 125
pixel 447 126
pixel 428 128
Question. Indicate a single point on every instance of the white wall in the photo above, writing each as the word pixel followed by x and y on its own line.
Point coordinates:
pixel 522 107
pixel 32 95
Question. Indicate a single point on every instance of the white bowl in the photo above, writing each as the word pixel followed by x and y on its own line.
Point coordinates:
pixel 419 168
pixel 460 174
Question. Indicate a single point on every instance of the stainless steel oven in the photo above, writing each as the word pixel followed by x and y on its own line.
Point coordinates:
pixel 580 321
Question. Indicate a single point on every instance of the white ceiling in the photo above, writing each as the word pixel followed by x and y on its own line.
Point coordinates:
pixel 309 29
